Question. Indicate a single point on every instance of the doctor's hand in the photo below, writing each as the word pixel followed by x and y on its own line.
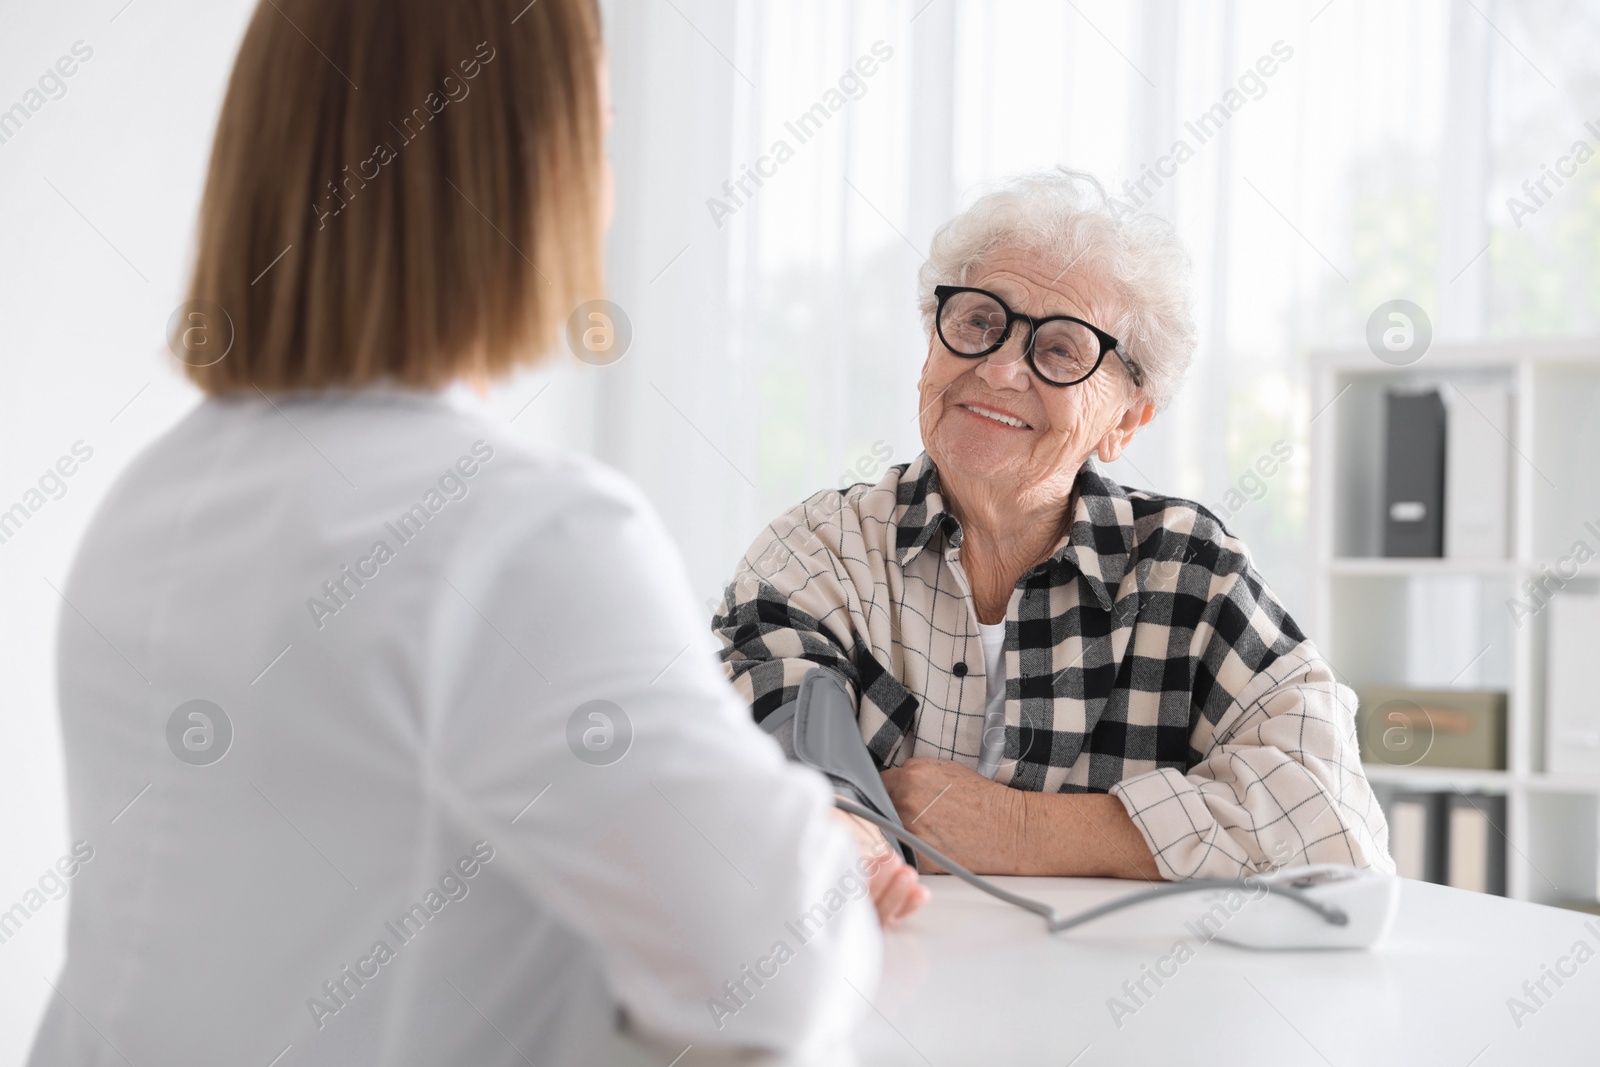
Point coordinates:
pixel 892 883
pixel 958 811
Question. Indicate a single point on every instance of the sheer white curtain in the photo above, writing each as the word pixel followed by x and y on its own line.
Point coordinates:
pixel 1319 159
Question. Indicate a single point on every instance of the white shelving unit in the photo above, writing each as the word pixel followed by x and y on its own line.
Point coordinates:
pixel 1406 622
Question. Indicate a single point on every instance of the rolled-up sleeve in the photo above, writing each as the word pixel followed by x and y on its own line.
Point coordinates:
pixel 1275 778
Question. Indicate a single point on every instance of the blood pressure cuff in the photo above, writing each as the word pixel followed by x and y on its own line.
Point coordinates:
pixel 818 729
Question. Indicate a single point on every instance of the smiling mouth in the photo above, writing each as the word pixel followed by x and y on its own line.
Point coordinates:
pixel 995 416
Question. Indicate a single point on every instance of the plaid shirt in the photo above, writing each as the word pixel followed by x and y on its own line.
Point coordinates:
pixel 1145 658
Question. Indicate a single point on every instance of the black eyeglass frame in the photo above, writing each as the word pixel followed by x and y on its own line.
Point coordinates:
pixel 942 293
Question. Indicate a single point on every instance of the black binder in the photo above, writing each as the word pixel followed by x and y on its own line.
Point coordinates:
pixel 1413 488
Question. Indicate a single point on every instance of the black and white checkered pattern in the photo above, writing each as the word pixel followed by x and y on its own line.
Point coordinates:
pixel 1145 658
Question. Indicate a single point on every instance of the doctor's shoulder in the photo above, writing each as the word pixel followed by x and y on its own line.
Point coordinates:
pixel 533 486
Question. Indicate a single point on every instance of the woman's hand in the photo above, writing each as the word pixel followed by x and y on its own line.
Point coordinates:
pixel 958 811
pixel 994 829
pixel 892 883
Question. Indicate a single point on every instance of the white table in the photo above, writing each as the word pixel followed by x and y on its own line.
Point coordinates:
pixel 972 981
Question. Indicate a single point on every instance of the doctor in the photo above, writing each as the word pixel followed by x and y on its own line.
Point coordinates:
pixel 390 740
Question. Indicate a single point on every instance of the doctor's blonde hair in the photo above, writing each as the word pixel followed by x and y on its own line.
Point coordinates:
pixel 399 190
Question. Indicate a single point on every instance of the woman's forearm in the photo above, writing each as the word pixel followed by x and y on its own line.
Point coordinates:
pixel 1081 834
pixel 994 829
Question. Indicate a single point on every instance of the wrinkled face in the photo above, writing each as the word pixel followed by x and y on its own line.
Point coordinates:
pixel 993 420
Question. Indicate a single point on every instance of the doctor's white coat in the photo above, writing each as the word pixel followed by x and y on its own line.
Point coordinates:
pixel 396 742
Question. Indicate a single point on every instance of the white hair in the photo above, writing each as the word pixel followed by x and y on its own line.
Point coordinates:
pixel 1066 218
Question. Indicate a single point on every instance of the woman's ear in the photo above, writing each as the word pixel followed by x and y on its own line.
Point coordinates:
pixel 1117 438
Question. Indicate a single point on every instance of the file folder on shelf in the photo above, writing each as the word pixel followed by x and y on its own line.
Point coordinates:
pixel 1477 850
pixel 1418 829
pixel 1478 471
pixel 1452 838
pixel 1413 487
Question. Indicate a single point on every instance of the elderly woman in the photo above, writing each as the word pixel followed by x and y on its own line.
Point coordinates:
pixel 1056 674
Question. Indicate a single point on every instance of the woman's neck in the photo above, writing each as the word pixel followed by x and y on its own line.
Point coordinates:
pixel 1005 533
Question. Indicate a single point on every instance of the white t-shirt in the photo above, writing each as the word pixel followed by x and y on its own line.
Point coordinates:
pixel 994 687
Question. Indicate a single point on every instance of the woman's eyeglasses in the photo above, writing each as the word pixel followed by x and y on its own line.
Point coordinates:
pixel 1061 349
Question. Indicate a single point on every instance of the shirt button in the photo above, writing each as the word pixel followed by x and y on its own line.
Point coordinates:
pixel 959 670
